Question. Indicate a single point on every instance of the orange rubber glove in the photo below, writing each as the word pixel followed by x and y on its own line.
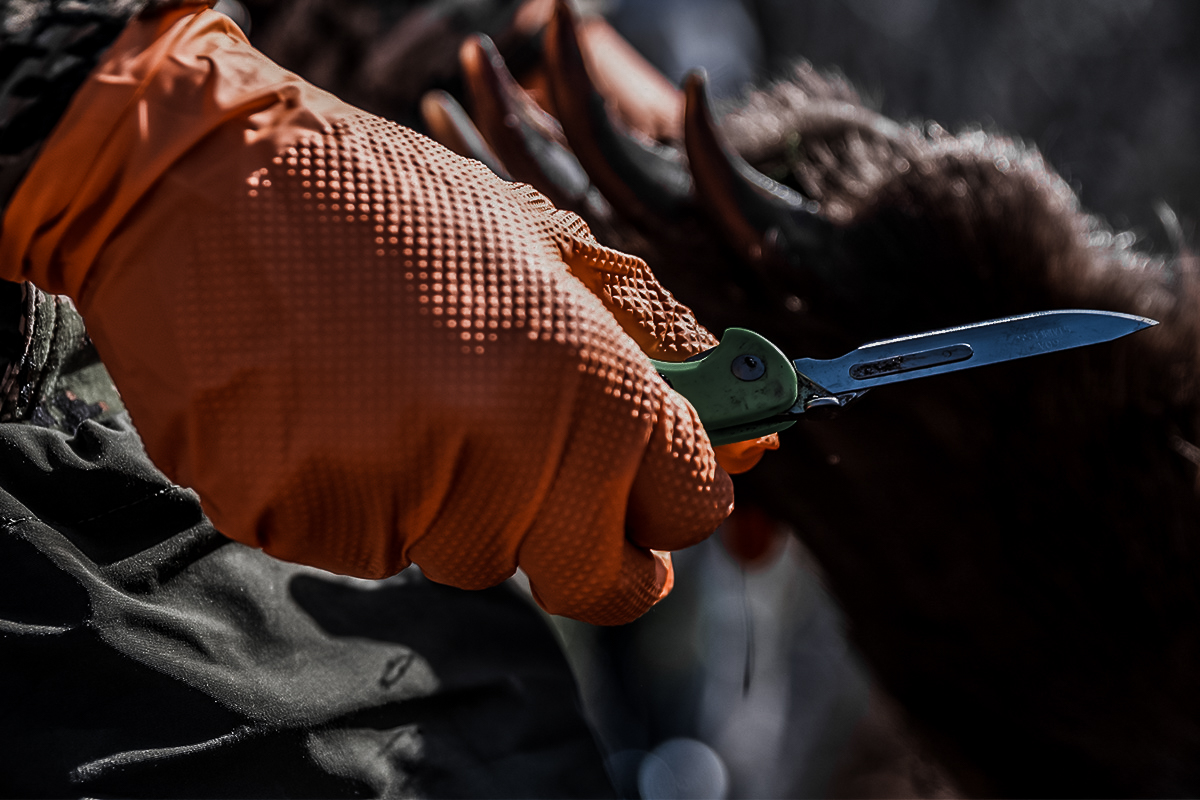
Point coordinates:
pixel 360 349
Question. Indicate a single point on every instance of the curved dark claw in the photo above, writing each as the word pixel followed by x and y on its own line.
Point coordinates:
pixel 761 219
pixel 648 181
pixel 448 123
pixel 528 140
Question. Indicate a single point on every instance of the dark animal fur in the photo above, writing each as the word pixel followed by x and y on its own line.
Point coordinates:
pixel 1016 548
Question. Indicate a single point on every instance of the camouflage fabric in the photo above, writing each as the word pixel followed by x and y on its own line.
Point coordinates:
pixel 53 378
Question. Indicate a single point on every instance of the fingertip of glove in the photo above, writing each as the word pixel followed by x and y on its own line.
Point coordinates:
pixel 739 457
pixel 680 494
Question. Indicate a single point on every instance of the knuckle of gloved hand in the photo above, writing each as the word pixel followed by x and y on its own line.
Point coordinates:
pixel 606 594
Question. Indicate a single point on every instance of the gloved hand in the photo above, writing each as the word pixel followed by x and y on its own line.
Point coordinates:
pixel 360 349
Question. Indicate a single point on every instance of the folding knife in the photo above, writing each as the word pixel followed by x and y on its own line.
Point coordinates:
pixel 745 387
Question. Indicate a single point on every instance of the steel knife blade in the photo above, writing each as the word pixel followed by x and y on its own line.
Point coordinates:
pixel 746 387
pixel 966 347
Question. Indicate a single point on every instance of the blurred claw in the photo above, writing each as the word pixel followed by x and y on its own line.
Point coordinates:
pixel 760 218
pixel 637 93
pixel 449 124
pixel 646 180
pixel 527 140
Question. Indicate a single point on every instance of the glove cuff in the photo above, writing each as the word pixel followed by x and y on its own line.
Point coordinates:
pixel 49 50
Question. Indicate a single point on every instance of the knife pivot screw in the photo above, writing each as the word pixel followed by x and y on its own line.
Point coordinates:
pixel 748 368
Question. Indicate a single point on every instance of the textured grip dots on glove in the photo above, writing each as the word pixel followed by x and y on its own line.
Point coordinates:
pixel 400 367
pixel 360 349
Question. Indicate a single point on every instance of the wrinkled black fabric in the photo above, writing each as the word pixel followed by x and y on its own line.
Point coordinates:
pixel 143 654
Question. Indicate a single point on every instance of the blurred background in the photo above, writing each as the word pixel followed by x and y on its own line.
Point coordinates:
pixel 1107 89
pixel 741 683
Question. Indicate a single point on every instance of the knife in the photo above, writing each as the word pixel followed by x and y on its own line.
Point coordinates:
pixel 745 387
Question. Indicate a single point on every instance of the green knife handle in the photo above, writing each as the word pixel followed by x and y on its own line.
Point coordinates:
pixel 737 387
